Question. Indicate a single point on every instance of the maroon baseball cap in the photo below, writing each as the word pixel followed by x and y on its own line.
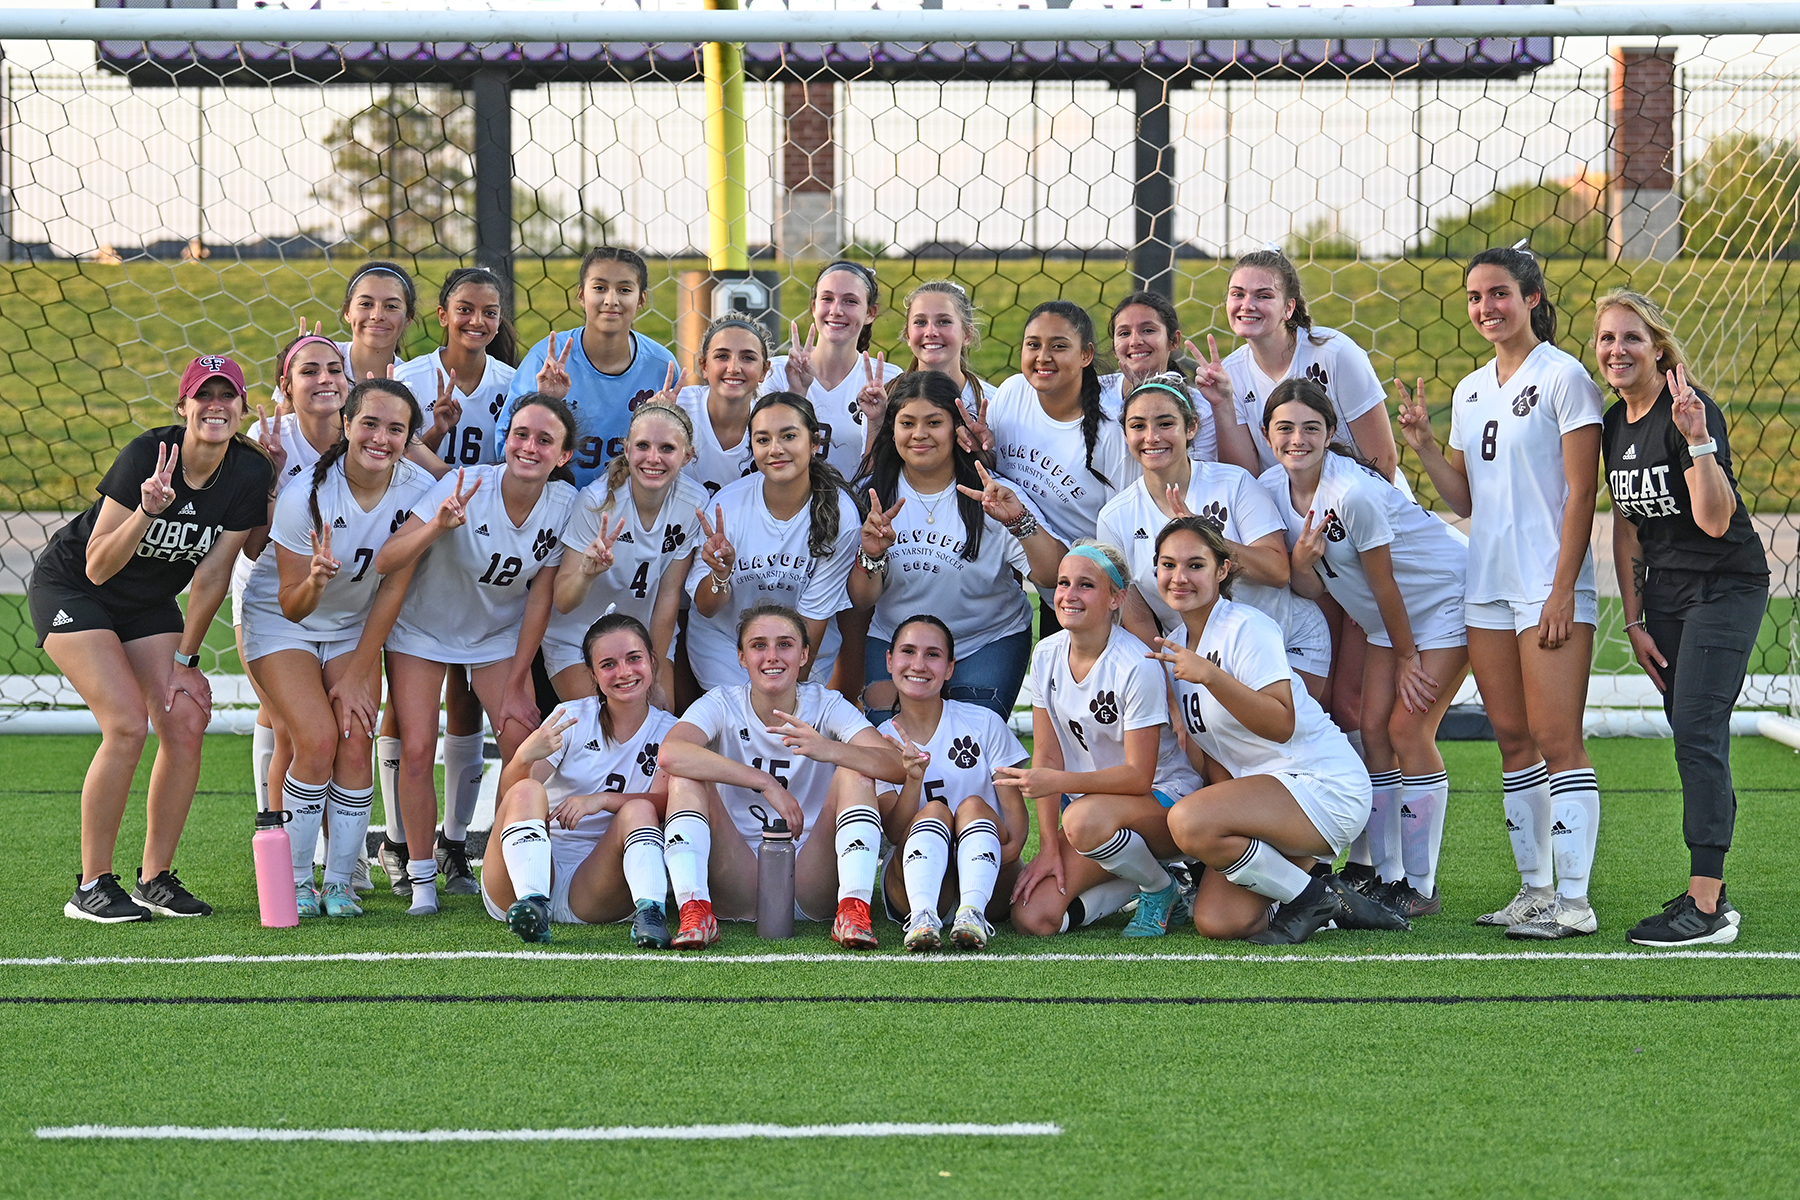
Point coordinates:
pixel 206 367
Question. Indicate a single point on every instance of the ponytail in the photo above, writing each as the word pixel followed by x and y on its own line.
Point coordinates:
pixel 1525 270
pixel 415 421
pixel 1091 414
pixel 823 479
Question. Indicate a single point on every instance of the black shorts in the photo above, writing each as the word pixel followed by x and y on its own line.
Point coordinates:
pixel 58 608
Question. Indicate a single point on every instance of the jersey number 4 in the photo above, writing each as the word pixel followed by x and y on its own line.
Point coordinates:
pixel 501 572
pixel 640 583
pixel 1490 441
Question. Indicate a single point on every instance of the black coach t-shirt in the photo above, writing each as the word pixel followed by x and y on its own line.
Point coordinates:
pixel 1646 465
pixel 236 497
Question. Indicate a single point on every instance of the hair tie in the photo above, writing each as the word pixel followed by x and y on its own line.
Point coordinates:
pixel 288 359
pixel 1096 555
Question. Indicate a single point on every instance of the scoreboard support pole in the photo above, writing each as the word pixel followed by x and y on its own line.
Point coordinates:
pixel 494 172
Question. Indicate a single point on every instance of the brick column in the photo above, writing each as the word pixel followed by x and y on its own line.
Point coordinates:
pixel 1642 198
pixel 809 224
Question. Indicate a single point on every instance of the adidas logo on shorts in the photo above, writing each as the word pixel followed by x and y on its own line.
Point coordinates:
pixel 482 529
pixel 187 510
pixel 339 524
pixel 593 744
pixel 61 618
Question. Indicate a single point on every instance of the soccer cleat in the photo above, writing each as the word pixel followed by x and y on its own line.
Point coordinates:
pixel 1358 877
pixel 165 896
pixel 1304 915
pixel 970 930
pixel 340 901
pixel 924 931
pixel 393 861
pixel 1561 918
pixel 650 928
pixel 1408 901
pixel 1681 923
pixel 699 928
pixel 854 929
pixel 529 917
pixel 1521 908
pixel 359 878
pixel 1152 916
pixel 1187 885
pixel 306 899
pixel 105 902
pixel 453 864
pixel 1359 910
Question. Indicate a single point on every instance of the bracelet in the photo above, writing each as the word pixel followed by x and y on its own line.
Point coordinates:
pixel 1024 527
pixel 874 566
pixel 1709 446
pixel 1639 623
pixel 720 585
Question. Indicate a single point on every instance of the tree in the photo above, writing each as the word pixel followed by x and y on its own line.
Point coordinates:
pixel 1561 219
pixel 402 174
pixel 1741 198
pixel 548 230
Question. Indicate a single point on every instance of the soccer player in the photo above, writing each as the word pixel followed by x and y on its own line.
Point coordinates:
pixel 787 534
pixel 316 615
pixel 1523 464
pixel 1101 739
pixel 628 547
pixel 380 303
pixel 1145 333
pixel 1284 787
pixel 590 768
pixel 175 508
pixel 941 333
pixel 481 599
pixel 734 359
pixel 959 833
pixel 604 369
pixel 1695 581
pixel 945 536
pixel 747 753
pixel 1398 571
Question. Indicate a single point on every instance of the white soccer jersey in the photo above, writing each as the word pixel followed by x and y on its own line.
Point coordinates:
pixel 734 730
pixel 840 419
pixel 1340 366
pixel 968 745
pixel 471 440
pixel 1048 459
pixel 301 457
pixel 356 537
pixel 1224 495
pixel 589 764
pixel 1205 445
pixel 467 597
pixel 1124 690
pixel 775 565
pixel 714 465
pixel 1511 440
pixel 981 601
pixel 1430 558
pixel 640 555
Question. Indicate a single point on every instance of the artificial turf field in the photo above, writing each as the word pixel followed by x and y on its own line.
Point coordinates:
pixel 1443 1062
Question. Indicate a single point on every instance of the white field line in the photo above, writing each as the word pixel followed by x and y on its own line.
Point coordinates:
pixel 610 1133
pixel 840 959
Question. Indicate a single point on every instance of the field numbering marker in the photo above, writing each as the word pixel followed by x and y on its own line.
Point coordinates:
pixel 606 1133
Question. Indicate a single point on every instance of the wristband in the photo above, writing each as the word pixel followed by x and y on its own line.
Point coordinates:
pixel 1639 623
pixel 1709 446
pixel 186 660
pixel 873 566
pixel 1024 527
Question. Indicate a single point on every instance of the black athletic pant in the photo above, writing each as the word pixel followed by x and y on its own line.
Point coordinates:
pixel 1705 626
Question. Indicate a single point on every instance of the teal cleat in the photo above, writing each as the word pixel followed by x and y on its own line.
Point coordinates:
pixel 529 917
pixel 340 901
pixel 650 927
pixel 1153 909
pixel 306 899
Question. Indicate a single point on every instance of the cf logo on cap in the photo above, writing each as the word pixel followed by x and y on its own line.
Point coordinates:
pixel 213 363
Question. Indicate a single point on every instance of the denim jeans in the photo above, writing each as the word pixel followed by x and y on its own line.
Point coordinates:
pixel 989 677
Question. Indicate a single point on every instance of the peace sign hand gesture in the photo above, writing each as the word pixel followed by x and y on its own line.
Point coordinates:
pixel 1689 413
pixel 158 492
pixel 597 559
pixel 324 567
pixel 1210 375
pixel 553 376
pixel 446 410
pixel 1415 422
pixel 1186 665
pixel 975 437
pixel 800 737
pixel 716 551
pixel 871 398
pixel 915 759
pixel 1177 501
pixel 1309 548
pixel 997 500
pixel 546 739
pixel 268 436
pixel 799 363
pixel 670 388
pixel 454 510
pixel 878 530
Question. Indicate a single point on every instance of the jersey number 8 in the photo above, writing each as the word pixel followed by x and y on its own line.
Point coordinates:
pixel 1490 441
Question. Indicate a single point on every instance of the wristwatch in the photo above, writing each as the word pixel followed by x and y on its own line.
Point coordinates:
pixel 1709 446
pixel 186 660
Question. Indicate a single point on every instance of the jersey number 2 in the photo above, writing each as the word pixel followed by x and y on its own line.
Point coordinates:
pixel 508 571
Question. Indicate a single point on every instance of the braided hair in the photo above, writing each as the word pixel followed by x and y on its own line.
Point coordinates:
pixel 1091 414
pixel 415 421
pixel 823 478
pixel 883 465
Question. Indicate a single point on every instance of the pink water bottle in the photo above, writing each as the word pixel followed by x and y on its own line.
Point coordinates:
pixel 274 870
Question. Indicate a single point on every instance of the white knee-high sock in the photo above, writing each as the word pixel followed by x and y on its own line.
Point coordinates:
pixel 462 782
pixel 307 802
pixel 262 753
pixel 1265 871
pixel 977 862
pixel 347 817
pixel 687 845
pixel 644 873
pixel 1422 802
pixel 858 852
pixel 1527 800
pixel 1384 825
pixel 387 773
pixel 923 861
pixel 1101 900
pixel 1127 855
pixel 1575 824
pixel 525 848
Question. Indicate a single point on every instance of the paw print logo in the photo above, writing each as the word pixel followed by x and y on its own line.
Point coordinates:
pixel 1213 657
pixel 498 404
pixel 1075 728
pixel 543 544
pixel 1334 528
pixel 673 537
pixel 1105 707
pixel 964 751
pixel 855 413
pixel 1317 374
pixel 400 516
pixel 1214 514
pixel 637 401
pixel 1525 401
pixel 712 489
pixel 647 758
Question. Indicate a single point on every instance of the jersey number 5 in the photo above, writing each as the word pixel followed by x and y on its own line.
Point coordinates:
pixel 508 570
pixel 1490 441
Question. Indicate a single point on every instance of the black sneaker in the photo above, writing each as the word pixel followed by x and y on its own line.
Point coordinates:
pixel 1370 910
pixel 1724 906
pixel 165 896
pixel 105 902
pixel 453 864
pixel 1408 901
pixel 1302 916
pixel 1681 923
pixel 1358 877
pixel 392 857
pixel 650 927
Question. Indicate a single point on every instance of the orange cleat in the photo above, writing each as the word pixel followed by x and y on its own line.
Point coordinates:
pixel 853 929
pixel 699 928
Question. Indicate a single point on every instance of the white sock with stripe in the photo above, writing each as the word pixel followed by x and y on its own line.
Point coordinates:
pixel 347 817
pixel 1574 827
pixel 858 852
pixel 262 753
pixel 1423 799
pixel 977 862
pixel 687 845
pixel 387 774
pixel 923 861
pixel 1127 855
pixel 1384 825
pixel 525 848
pixel 1526 795
pixel 462 782
pixel 307 802
pixel 1267 872
pixel 644 871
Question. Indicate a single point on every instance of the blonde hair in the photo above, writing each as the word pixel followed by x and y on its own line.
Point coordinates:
pixel 965 312
pixel 1113 556
pixel 1662 334
pixel 618 469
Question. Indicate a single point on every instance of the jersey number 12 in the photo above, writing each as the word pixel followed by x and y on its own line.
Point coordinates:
pixel 508 570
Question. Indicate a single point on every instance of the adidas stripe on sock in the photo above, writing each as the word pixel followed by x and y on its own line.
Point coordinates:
pixel 1574 826
pixel 1127 855
pixel 423 873
pixel 387 773
pixel 645 875
pixel 1384 825
pixel 977 862
pixel 1526 794
pixel 347 817
pixel 1101 900
pixel 687 845
pixel 858 852
pixel 1423 799
pixel 1267 872
pixel 307 802
pixel 525 848
pixel 923 861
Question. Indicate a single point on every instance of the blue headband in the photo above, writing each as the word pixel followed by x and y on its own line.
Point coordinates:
pixel 1112 572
